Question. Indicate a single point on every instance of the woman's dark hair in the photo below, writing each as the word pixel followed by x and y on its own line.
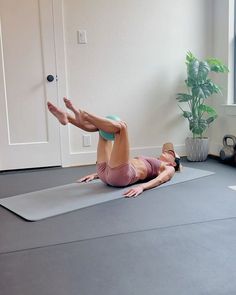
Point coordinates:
pixel 177 161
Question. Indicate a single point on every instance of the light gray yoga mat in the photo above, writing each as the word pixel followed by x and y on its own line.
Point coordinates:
pixel 62 199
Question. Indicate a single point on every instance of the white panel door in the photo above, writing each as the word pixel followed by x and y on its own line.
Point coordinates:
pixel 29 136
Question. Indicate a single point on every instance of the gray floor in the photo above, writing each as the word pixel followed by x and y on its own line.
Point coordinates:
pixel 179 239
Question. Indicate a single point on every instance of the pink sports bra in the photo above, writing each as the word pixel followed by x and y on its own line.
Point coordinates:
pixel 153 166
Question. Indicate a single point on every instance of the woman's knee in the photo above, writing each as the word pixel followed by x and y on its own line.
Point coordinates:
pixel 123 126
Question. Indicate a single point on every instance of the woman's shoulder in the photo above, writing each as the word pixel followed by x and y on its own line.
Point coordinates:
pixel 164 165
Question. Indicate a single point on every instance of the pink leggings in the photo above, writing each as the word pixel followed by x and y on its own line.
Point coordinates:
pixel 120 176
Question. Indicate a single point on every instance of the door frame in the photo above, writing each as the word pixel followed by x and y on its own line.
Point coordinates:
pixel 62 88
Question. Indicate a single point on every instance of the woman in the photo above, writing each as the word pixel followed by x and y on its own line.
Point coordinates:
pixel 114 165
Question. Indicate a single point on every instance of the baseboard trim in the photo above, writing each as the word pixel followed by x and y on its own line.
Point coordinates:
pixel 215 148
pixel 214 157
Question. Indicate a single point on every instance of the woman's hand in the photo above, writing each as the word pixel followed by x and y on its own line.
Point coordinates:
pixel 133 192
pixel 88 178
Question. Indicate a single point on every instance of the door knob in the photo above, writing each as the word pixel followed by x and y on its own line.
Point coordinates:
pixel 50 78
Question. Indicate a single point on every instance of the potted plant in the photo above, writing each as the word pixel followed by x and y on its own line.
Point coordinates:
pixel 199 115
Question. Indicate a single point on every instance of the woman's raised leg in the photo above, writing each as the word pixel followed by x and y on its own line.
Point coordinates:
pixel 104 124
pixel 116 155
pixel 86 126
pixel 119 153
pixel 65 118
pixel 121 150
pixel 104 149
pixel 59 114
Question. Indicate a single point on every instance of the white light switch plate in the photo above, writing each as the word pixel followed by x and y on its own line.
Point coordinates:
pixel 81 37
pixel 86 140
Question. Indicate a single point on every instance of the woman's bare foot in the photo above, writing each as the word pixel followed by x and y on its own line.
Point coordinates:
pixel 70 106
pixel 60 115
pixel 80 117
pixel 79 114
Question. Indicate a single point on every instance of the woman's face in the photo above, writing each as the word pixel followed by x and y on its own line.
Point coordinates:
pixel 167 157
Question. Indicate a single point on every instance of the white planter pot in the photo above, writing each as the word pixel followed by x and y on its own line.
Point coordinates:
pixel 197 149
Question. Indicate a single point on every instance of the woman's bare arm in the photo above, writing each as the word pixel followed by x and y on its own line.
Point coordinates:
pixel 167 172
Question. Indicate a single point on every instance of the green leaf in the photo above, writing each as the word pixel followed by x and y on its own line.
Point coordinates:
pixel 209 110
pixel 187 114
pixel 205 89
pixel 217 66
pixel 210 120
pixel 198 71
pixel 183 97
pixel 190 82
pixel 201 91
pixel 198 126
pixel 214 88
pixel 190 57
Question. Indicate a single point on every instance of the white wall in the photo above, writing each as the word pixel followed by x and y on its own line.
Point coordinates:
pixel 133 66
pixel 223 41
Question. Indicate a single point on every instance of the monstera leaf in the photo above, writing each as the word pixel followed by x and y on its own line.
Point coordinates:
pixel 198 71
pixel 207 109
pixel 217 66
pixel 183 97
pixel 198 126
